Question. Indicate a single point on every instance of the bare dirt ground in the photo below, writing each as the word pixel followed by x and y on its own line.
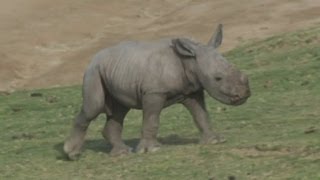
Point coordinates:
pixel 49 43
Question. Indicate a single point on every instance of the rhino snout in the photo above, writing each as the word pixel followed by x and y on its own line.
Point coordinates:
pixel 241 98
pixel 244 79
pixel 245 95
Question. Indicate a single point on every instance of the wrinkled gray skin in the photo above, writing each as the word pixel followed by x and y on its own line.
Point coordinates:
pixel 151 76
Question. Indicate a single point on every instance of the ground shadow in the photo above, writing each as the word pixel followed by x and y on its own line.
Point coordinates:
pixel 175 139
pixel 101 145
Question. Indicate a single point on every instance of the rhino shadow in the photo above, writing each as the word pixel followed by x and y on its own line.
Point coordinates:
pixel 101 145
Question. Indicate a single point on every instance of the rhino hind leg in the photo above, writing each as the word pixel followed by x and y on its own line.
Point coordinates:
pixel 113 128
pixel 93 104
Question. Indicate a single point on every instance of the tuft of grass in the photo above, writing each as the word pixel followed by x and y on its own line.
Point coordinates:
pixel 275 135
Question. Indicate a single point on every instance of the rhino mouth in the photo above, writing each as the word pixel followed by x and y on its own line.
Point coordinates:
pixel 235 100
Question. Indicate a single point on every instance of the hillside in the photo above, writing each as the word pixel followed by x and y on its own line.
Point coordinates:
pixel 49 43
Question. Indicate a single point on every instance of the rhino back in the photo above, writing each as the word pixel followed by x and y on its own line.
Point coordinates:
pixel 132 69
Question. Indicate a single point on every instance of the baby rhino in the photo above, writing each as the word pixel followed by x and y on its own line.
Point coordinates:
pixel 151 76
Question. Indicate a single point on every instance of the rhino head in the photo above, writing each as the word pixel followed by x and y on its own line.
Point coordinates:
pixel 221 79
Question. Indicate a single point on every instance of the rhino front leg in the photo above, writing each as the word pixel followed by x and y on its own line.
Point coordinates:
pixel 152 105
pixel 113 129
pixel 196 106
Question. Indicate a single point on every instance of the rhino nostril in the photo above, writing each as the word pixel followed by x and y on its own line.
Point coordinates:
pixel 236 98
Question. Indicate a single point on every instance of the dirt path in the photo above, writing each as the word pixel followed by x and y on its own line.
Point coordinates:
pixel 49 43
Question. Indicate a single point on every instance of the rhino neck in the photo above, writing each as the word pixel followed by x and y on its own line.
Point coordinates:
pixel 192 81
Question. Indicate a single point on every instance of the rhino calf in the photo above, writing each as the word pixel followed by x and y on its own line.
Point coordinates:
pixel 151 76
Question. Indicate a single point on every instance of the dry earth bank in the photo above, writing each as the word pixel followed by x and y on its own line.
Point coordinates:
pixel 49 43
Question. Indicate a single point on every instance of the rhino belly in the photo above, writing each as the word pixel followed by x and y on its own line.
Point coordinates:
pixel 126 96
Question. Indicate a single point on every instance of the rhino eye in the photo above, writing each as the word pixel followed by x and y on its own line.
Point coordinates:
pixel 218 78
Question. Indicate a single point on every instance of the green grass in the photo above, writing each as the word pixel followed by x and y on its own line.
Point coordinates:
pixel 275 135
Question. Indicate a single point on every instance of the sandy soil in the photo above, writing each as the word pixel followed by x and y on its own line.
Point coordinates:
pixel 49 43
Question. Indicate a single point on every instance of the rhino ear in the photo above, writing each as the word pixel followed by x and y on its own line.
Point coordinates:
pixel 184 47
pixel 216 39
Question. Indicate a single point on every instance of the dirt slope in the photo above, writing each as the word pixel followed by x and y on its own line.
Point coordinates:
pixel 49 43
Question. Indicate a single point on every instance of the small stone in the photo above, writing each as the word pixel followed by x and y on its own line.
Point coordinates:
pixel 310 130
pixel 36 94
pixel 52 99
pixel 267 84
pixel 4 93
pixel 16 109
pixel 221 109
pixel 304 83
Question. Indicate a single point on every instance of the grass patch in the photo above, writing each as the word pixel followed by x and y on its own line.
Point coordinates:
pixel 275 135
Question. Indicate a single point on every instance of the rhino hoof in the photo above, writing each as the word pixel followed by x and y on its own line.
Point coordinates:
pixel 120 150
pixel 148 146
pixel 212 139
pixel 74 156
pixel 73 151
